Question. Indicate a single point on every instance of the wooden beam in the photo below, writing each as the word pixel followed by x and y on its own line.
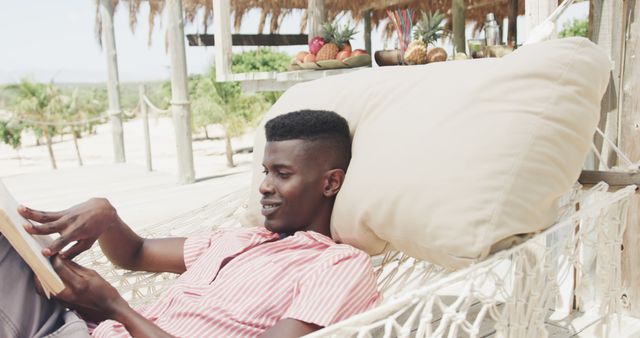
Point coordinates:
pixel 613 179
pixel 113 83
pixel 606 31
pixel 179 93
pixel 316 16
pixel 536 11
pixel 459 25
pixel 222 26
pixel 251 39
pixel 144 111
pixel 629 142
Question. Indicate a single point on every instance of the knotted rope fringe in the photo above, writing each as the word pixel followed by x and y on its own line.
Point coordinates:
pixel 514 287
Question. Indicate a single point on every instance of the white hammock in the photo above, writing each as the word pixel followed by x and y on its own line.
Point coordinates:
pixel 512 289
pixel 509 294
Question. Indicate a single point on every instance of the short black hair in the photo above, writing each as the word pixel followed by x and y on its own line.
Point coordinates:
pixel 313 125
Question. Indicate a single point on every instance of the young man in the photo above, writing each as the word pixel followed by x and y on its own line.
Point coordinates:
pixel 284 280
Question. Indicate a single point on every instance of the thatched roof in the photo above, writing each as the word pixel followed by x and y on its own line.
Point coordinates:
pixel 274 11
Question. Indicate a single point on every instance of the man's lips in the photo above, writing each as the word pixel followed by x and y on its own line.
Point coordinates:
pixel 269 207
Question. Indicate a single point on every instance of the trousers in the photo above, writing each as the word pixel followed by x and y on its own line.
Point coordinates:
pixel 23 312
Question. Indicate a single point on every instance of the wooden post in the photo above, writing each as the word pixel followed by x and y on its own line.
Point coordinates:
pixel 367 31
pixel 535 11
pixel 113 83
pixel 316 16
pixel 222 27
pixel 512 36
pixel 144 110
pixel 606 31
pixel 630 145
pixel 459 24
pixel 74 133
pixel 180 93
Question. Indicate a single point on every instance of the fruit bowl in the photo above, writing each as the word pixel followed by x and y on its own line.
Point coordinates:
pixel 391 57
pixel 350 62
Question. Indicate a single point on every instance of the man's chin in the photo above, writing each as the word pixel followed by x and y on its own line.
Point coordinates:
pixel 277 227
pixel 271 226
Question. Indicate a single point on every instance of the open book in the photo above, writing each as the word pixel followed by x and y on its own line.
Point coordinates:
pixel 28 246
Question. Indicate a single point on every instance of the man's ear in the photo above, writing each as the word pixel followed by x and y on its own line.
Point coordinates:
pixel 333 180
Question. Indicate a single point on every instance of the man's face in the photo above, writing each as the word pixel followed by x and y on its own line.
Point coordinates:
pixel 292 189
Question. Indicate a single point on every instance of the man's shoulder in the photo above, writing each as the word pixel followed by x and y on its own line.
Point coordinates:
pixel 346 252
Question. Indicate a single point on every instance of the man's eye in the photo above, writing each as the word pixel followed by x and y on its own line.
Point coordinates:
pixel 283 175
pixel 265 171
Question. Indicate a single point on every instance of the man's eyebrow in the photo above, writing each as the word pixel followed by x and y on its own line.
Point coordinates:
pixel 281 166
pixel 277 166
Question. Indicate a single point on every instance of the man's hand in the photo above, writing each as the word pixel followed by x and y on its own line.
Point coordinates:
pixel 83 223
pixel 96 300
pixel 87 292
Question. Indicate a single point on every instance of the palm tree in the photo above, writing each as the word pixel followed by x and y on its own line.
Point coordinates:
pixel 34 101
pixel 67 107
pixel 226 104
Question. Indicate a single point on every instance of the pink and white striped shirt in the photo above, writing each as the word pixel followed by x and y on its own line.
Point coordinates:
pixel 305 276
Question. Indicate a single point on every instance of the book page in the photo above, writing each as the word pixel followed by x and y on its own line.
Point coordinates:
pixel 28 246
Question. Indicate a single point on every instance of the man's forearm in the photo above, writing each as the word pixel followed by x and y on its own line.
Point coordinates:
pixel 126 249
pixel 121 245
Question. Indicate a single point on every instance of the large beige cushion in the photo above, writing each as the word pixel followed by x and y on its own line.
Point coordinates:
pixel 451 158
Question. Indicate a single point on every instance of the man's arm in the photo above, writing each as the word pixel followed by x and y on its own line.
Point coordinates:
pixel 97 219
pixel 289 327
pixel 91 296
pixel 126 249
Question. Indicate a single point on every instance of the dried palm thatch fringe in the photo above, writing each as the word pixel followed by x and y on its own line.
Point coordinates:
pixel 276 11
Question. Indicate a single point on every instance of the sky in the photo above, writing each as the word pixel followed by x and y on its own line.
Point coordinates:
pixel 53 40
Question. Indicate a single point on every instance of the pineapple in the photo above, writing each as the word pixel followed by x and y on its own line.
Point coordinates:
pixel 426 32
pixel 343 36
pixel 416 53
pixel 327 52
pixel 336 38
pixel 428 28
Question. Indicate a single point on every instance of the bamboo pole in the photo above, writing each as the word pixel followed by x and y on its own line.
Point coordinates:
pixel 512 36
pixel 316 17
pixel 223 49
pixel 367 31
pixel 113 83
pixel 179 93
pixel 459 21
pixel 144 110
pixel 74 133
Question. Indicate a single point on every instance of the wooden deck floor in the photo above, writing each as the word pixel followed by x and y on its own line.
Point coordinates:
pixel 141 198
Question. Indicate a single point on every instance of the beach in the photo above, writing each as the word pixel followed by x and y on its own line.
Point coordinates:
pixel 141 197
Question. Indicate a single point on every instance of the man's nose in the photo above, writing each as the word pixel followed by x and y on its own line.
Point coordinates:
pixel 266 187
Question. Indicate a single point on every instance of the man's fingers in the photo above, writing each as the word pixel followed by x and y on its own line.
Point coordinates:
pixel 46 228
pixel 39 216
pixel 76 249
pixel 57 245
pixel 63 268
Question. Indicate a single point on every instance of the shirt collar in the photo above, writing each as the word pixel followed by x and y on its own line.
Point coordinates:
pixel 316 236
